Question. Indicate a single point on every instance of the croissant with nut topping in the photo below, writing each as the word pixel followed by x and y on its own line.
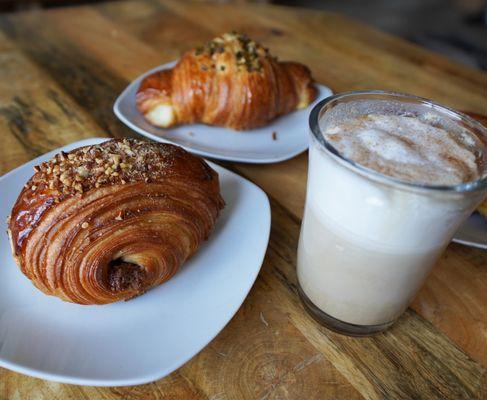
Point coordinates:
pixel 107 222
pixel 231 81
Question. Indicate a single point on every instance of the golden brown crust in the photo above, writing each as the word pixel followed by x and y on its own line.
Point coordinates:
pixel 231 81
pixel 107 222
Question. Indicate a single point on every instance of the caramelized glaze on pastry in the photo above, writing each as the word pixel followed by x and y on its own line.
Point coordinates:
pixel 107 222
pixel 231 81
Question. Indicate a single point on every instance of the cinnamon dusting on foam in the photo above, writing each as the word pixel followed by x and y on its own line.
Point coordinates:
pixel 406 148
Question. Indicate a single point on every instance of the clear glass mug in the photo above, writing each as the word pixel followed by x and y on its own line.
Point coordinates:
pixel 368 241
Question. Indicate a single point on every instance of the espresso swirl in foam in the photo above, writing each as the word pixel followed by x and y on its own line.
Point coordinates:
pixel 406 148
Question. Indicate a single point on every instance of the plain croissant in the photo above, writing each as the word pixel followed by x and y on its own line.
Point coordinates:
pixel 231 81
pixel 107 222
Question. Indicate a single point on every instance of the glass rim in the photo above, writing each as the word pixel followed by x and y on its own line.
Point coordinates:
pixel 314 125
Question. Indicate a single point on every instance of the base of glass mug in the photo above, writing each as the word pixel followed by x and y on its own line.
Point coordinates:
pixel 336 325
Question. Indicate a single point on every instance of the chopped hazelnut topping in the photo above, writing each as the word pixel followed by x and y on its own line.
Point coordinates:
pixel 116 158
pixel 110 163
pixel 82 172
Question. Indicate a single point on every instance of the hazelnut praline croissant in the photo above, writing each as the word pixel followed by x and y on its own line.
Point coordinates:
pixel 231 81
pixel 107 222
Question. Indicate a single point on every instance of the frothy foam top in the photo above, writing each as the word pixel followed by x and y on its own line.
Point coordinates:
pixel 406 148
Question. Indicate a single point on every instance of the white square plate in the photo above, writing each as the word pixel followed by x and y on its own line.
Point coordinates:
pixel 148 337
pixel 253 146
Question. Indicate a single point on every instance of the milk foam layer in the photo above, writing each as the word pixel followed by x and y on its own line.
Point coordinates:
pixel 406 148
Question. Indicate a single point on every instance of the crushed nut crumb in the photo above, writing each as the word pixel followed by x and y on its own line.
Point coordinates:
pixel 82 172
pixel 112 162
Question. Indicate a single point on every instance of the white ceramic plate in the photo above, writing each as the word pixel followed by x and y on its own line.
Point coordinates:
pixel 473 232
pixel 148 337
pixel 253 146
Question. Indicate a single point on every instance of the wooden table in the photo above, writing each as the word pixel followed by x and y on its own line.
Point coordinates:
pixel 60 71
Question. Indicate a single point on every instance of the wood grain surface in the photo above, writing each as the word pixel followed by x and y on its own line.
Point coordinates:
pixel 60 72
